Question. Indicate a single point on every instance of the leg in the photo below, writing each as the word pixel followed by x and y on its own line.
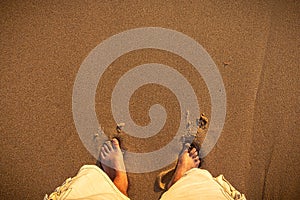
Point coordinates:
pixel 111 158
pixel 191 183
pixel 186 161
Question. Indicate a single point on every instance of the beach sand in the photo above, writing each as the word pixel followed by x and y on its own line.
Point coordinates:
pixel 255 45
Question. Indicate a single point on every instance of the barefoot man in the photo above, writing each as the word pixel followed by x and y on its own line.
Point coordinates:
pixel 188 182
pixel 92 183
pixel 191 183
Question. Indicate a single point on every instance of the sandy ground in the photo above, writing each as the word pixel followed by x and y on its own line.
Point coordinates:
pixel 44 43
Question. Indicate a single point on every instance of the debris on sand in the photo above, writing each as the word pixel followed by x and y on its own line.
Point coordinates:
pixel 120 127
pixel 202 122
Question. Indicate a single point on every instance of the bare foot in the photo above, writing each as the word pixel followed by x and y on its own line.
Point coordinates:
pixel 186 161
pixel 111 158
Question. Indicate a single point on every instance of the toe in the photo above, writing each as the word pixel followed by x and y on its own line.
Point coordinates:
pixel 115 143
pixel 186 147
pixel 102 155
pixel 192 151
pixel 196 161
pixel 106 148
pixel 109 145
pixel 194 155
pixel 103 151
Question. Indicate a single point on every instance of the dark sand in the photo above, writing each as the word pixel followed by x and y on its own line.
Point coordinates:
pixel 43 45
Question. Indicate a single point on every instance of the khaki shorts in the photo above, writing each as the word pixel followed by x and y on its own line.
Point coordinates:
pixel 199 184
pixel 90 183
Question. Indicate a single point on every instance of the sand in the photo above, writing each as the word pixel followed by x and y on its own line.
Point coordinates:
pixel 255 45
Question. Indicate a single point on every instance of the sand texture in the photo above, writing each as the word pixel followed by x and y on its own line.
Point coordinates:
pixel 255 45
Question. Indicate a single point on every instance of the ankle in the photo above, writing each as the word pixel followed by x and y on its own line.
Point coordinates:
pixel 121 182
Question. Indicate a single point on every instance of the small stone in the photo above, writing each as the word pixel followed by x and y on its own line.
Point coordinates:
pixel 120 127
